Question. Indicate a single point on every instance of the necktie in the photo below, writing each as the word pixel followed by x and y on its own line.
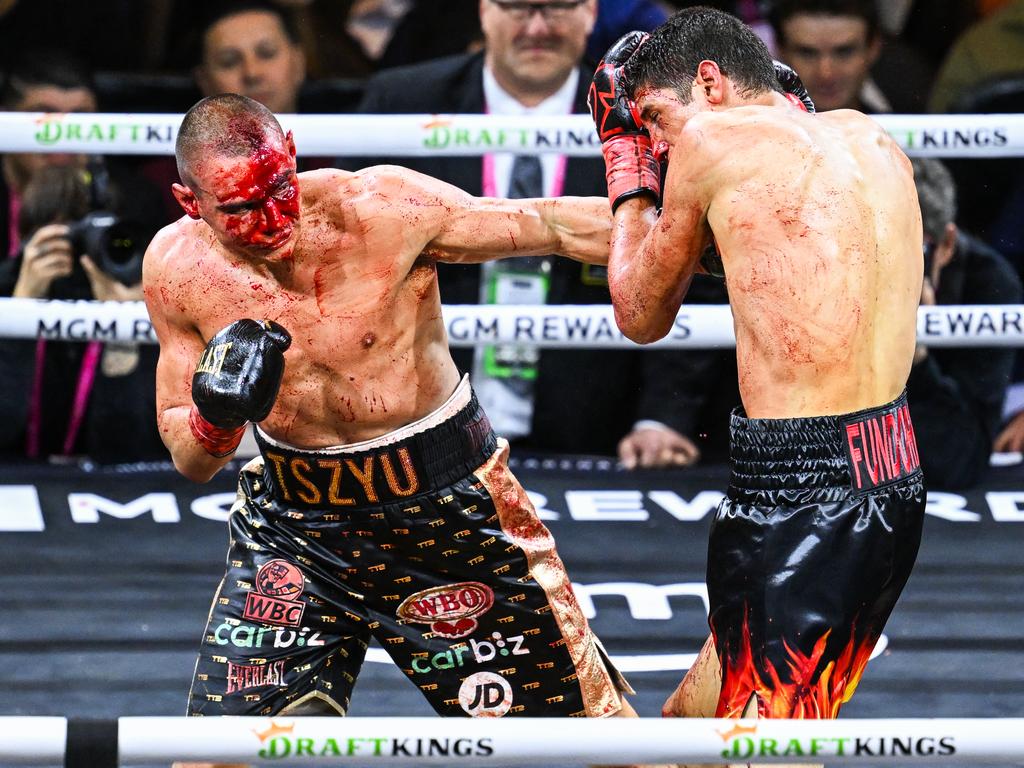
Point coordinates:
pixel 527 179
pixel 503 375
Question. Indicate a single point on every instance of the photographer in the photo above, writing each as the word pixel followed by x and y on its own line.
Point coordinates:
pixel 70 398
pixel 75 398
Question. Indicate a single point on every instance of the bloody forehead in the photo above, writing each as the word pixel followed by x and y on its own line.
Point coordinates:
pixel 248 176
pixel 247 129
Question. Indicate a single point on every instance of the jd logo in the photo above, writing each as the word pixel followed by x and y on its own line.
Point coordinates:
pixel 485 694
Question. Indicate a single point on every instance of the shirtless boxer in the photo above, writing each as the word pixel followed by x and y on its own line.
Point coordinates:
pixel 381 504
pixel 818 230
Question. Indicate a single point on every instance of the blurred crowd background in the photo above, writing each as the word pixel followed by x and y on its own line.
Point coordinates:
pixel 76 226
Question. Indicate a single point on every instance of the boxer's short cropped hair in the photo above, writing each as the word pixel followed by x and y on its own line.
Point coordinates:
pixel 670 56
pixel 228 124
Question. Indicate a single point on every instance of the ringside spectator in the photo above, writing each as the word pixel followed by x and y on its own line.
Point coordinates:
pixel 835 44
pixel 956 394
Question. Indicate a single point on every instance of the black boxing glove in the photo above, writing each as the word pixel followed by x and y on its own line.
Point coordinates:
pixel 235 382
pixel 710 262
pixel 793 86
pixel 630 165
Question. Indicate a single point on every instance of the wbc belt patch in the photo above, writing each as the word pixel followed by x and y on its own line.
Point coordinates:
pixel 880 446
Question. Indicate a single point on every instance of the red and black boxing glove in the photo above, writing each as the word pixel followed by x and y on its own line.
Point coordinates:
pixel 235 382
pixel 630 165
pixel 793 87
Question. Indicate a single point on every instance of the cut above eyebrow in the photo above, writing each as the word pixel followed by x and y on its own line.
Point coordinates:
pixel 276 182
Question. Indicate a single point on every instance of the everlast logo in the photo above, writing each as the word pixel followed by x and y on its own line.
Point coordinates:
pixel 242 677
pixel 213 359
pixel 880 447
pixel 449 609
pixel 319 481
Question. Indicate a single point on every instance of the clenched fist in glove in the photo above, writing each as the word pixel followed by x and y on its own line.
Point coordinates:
pixel 793 87
pixel 631 167
pixel 236 381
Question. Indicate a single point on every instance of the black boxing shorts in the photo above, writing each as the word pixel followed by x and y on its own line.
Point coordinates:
pixel 421 539
pixel 808 554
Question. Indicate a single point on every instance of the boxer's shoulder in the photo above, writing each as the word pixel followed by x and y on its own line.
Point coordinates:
pixel 392 192
pixel 174 241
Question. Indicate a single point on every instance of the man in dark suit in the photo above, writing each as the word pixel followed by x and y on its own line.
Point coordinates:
pixel 592 401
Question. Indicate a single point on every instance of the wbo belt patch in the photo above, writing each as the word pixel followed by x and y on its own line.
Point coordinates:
pixel 450 609
pixel 880 446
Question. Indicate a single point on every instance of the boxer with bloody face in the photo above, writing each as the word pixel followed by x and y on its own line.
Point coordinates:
pixel 307 306
pixel 252 201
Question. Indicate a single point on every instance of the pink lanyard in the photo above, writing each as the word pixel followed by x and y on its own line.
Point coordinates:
pixel 86 378
pixel 13 211
pixel 490 186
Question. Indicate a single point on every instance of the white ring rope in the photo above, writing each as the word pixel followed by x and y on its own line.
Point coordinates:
pixel 993 135
pixel 697 326
pixel 529 741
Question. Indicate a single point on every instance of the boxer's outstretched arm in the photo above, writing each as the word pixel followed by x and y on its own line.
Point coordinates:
pixel 461 228
pixel 484 229
pixel 180 348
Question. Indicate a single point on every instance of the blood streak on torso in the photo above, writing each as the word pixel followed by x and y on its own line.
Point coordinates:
pixel 369 352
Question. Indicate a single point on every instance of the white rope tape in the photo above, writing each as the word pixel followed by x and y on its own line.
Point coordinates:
pixel 528 741
pixel 993 135
pixel 563 325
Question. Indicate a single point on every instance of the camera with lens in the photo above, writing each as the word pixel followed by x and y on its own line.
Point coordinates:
pixel 83 199
pixel 113 243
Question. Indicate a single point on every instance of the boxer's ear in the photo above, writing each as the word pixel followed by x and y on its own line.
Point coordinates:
pixel 711 82
pixel 186 199
pixel 290 143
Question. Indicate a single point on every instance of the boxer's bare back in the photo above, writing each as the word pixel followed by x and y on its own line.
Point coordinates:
pixel 816 220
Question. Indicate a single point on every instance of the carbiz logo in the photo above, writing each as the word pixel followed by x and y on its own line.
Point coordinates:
pixel 248 636
pixel 443 134
pixel 54 129
pixel 483 651
pixel 280 742
pixel 742 742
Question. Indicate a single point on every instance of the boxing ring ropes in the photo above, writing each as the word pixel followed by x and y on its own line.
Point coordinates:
pixel 85 743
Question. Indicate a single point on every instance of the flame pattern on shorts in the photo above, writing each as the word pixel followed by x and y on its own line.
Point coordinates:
pixel 805 561
pixel 811 686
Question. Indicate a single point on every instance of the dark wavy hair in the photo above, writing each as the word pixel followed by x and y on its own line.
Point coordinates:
pixel 670 56
pixel 781 11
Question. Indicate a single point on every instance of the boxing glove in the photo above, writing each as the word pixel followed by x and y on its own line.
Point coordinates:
pixel 711 260
pixel 793 87
pixel 236 381
pixel 630 165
